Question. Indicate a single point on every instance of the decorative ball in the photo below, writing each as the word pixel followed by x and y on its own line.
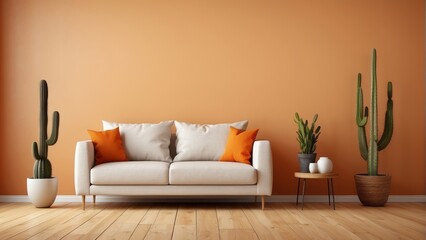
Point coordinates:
pixel 325 165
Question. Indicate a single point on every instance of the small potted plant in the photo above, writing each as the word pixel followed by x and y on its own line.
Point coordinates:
pixel 307 136
pixel 373 188
pixel 42 188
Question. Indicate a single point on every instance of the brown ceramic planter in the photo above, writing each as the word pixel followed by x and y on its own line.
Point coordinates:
pixel 373 190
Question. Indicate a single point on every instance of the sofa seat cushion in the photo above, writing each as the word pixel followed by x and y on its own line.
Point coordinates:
pixel 212 173
pixel 131 173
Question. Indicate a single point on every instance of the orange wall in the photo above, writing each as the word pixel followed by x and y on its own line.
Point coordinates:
pixel 210 62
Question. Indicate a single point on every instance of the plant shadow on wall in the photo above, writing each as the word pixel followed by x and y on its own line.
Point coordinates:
pixel 373 189
pixel 42 188
pixel 307 136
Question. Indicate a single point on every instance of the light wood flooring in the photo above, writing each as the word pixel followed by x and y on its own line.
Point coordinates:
pixel 212 221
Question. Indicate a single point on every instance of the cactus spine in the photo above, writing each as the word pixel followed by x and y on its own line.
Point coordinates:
pixel 42 165
pixel 369 151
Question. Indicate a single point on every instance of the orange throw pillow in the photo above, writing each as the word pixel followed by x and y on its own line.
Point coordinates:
pixel 239 145
pixel 108 146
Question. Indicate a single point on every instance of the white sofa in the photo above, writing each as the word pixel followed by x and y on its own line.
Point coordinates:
pixel 173 178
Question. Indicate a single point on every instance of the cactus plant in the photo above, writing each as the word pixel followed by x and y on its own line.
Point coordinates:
pixel 42 165
pixel 369 151
pixel 307 136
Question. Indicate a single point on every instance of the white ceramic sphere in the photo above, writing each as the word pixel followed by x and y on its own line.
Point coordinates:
pixel 325 165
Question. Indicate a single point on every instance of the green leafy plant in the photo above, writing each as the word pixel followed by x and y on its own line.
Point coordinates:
pixel 42 165
pixel 369 151
pixel 307 136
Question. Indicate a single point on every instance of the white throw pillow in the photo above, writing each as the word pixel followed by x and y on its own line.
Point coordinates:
pixel 202 142
pixel 146 141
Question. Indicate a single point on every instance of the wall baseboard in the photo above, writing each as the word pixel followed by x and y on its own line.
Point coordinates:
pixel 208 199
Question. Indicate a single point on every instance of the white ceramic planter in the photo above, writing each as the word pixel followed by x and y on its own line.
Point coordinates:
pixel 325 165
pixel 42 192
pixel 313 167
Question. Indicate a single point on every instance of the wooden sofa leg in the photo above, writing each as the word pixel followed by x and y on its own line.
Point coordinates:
pixel 83 198
pixel 263 202
pixel 94 199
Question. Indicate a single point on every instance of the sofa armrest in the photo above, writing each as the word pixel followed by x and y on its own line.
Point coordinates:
pixel 83 162
pixel 262 161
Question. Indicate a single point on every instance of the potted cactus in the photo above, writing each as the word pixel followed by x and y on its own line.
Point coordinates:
pixel 42 188
pixel 307 136
pixel 373 188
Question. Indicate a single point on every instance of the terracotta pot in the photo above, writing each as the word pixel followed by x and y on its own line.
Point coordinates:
pixel 373 190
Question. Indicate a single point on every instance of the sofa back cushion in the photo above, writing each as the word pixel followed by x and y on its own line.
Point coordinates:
pixel 145 141
pixel 202 142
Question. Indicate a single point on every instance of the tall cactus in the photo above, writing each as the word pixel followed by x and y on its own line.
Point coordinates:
pixel 369 152
pixel 42 166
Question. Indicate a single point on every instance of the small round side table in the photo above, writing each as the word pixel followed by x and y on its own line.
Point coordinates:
pixel 328 176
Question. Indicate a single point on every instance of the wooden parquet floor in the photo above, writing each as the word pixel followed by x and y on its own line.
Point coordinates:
pixel 212 221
